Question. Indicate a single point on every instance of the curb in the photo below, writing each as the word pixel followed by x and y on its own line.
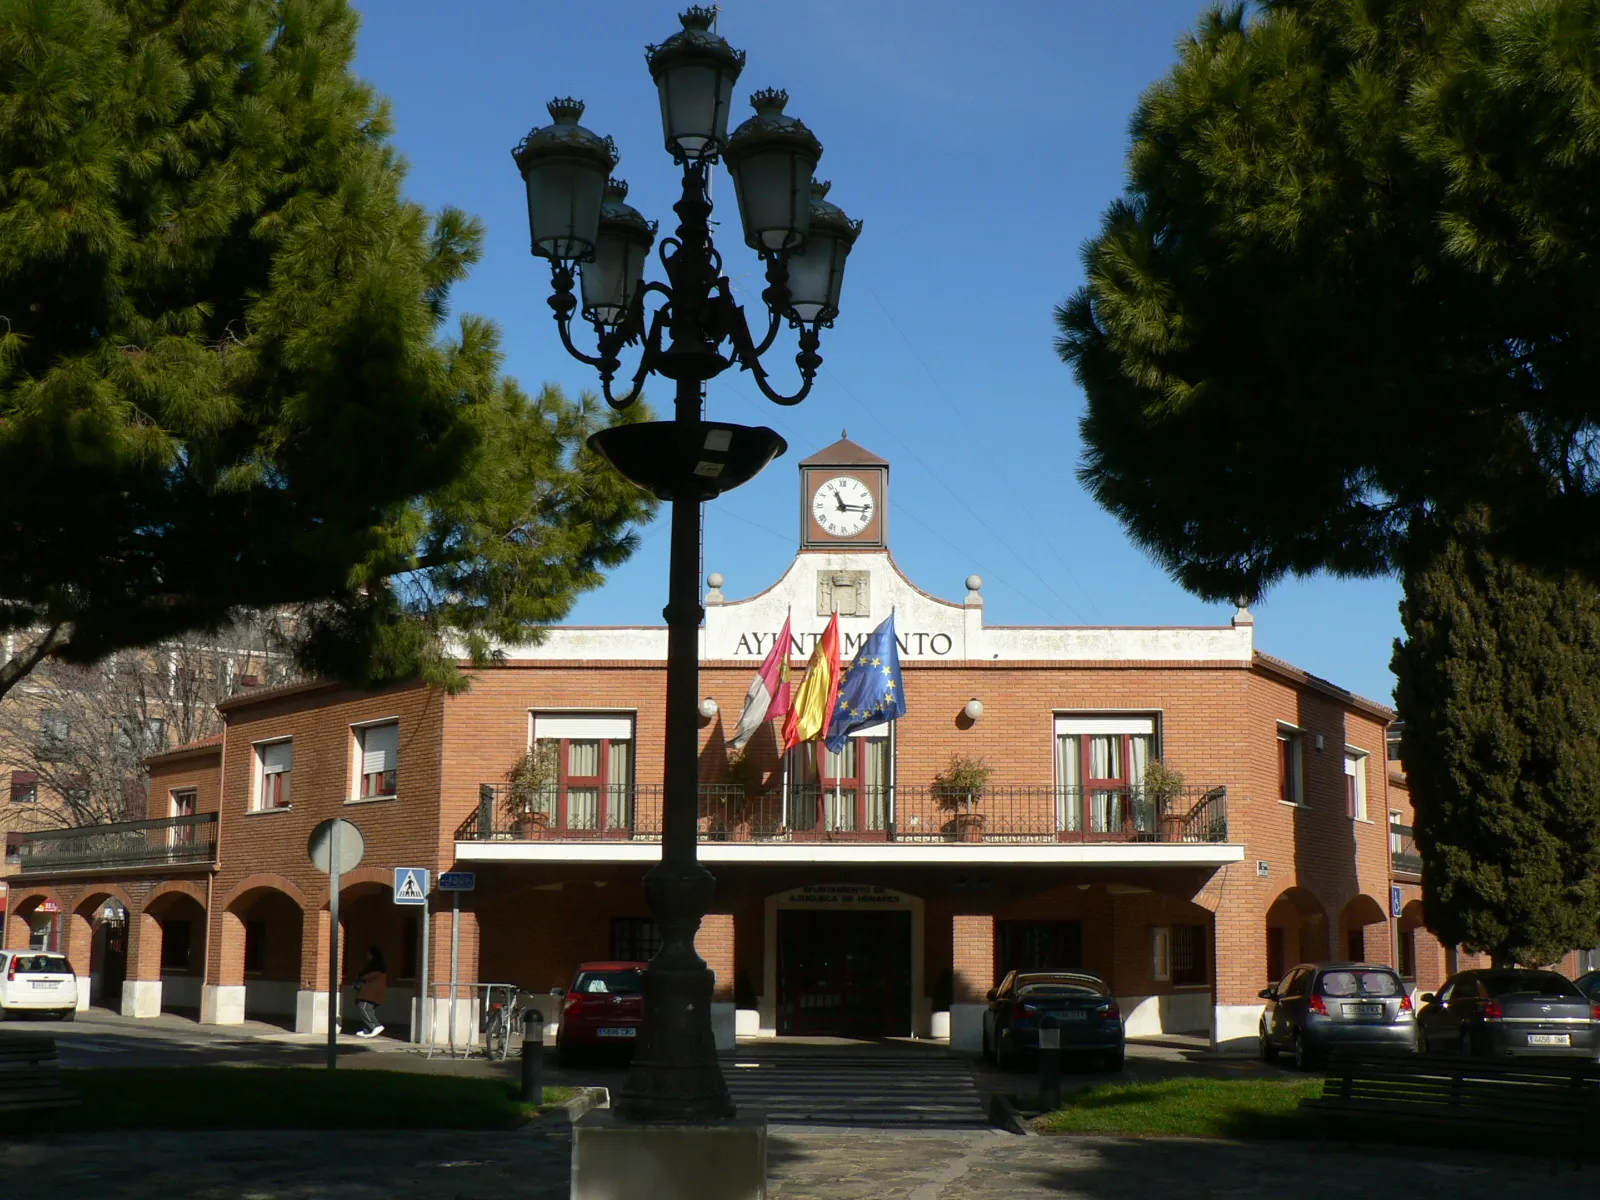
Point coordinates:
pixel 1010 1118
pixel 572 1111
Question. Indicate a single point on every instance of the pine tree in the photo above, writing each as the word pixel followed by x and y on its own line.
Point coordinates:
pixel 1352 280
pixel 223 377
pixel 1499 684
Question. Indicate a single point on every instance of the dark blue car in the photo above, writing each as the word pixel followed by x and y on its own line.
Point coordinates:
pixel 1083 1007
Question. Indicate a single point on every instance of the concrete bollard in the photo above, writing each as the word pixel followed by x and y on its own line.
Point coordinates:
pixel 532 1056
pixel 1049 1062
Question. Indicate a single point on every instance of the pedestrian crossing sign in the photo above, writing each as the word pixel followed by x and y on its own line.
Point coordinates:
pixel 410 885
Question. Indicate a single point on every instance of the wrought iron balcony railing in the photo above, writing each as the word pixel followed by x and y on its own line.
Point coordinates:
pixel 904 814
pixel 1403 853
pixel 162 842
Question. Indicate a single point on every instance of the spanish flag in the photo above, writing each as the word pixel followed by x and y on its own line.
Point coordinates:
pixel 817 694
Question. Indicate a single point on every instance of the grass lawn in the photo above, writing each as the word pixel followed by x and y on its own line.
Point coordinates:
pixel 1269 1108
pixel 291 1098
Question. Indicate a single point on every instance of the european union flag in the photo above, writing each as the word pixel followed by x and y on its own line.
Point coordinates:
pixel 871 692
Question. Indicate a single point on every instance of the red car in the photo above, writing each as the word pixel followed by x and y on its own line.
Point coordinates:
pixel 602 1009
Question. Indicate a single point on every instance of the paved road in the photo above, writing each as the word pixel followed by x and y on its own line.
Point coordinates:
pixel 833 1165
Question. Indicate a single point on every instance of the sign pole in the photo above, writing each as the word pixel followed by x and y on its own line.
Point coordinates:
pixel 455 954
pixel 425 997
pixel 333 946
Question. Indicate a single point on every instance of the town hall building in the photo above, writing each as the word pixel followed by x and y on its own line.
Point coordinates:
pixel 1169 807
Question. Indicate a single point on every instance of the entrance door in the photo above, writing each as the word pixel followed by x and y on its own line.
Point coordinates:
pixel 844 974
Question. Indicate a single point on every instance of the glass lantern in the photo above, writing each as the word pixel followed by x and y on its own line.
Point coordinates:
pixel 816 271
pixel 695 71
pixel 565 167
pixel 772 158
pixel 612 278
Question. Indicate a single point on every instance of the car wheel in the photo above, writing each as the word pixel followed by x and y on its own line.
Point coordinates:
pixel 1006 1058
pixel 2 1012
pixel 70 1014
pixel 1422 1042
pixel 1305 1059
pixel 988 1044
pixel 1268 1052
pixel 564 1056
pixel 1115 1061
pixel 1469 1044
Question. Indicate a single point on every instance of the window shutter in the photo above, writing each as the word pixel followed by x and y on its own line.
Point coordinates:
pixel 277 757
pixel 380 748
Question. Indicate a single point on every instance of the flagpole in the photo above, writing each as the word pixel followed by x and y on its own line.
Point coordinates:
pixel 892 745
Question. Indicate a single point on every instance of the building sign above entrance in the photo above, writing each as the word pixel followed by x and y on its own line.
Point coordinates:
pixel 834 894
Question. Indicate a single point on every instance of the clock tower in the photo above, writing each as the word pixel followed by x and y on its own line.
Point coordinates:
pixel 844 499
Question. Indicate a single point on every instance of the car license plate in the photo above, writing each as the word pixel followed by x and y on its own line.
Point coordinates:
pixel 628 1032
pixel 43 983
pixel 1363 1010
pixel 1549 1039
pixel 1075 1014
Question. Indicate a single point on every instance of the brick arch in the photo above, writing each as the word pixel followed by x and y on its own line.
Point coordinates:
pixel 16 901
pixel 265 879
pixel 181 887
pixel 95 890
pixel 383 876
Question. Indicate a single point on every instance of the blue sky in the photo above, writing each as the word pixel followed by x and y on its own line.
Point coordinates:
pixel 980 145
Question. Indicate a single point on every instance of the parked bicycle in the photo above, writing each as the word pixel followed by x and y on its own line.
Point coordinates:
pixel 502 1017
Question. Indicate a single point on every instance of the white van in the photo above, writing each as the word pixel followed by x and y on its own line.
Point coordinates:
pixel 37 981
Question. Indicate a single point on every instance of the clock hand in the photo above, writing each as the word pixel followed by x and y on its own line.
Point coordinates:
pixel 839 500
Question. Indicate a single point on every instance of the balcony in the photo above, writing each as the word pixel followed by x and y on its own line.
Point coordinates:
pixel 1044 823
pixel 160 843
pixel 1403 853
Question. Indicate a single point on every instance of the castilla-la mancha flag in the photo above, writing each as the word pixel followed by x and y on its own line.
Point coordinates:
pixel 818 691
pixel 768 697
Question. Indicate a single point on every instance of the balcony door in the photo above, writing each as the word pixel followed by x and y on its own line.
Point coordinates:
pixel 1100 769
pixel 845 794
pixel 592 790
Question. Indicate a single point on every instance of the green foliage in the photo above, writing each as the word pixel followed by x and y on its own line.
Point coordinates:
pixel 224 380
pixel 963 779
pixel 1351 282
pixel 1499 682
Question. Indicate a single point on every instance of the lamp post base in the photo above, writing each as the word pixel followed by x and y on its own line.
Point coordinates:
pixel 716 1160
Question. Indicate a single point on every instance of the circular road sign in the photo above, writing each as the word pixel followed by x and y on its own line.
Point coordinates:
pixel 351 845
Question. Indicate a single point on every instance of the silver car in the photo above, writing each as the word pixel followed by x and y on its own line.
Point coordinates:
pixel 1319 1006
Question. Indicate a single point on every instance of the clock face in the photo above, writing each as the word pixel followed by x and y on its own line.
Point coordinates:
pixel 842 506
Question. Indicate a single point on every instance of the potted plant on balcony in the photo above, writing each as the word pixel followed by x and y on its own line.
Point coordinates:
pixel 747 780
pixel 957 789
pixel 530 787
pixel 1154 817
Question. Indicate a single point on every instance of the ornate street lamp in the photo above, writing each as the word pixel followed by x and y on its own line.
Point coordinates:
pixel 579 220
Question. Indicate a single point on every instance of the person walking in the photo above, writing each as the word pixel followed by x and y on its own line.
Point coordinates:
pixel 372 984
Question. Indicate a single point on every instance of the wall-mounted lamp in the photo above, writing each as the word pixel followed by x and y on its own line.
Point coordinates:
pixel 973 709
pixel 708 708
pixel 1319 743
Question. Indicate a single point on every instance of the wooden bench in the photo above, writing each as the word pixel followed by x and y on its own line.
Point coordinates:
pixel 1544 1094
pixel 30 1075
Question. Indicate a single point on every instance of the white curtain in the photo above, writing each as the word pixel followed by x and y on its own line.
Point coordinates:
pixel 1069 784
pixel 619 785
pixel 1105 807
pixel 839 800
pixel 875 778
pixel 583 803
pixel 1144 808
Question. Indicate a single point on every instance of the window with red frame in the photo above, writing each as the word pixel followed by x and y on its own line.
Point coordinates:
pixel 379 749
pixel 593 792
pixel 1099 777
pixel 184 804
pixel 275 762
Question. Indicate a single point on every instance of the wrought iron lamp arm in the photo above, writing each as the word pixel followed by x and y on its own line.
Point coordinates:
pixel 748 356
pixel 652 347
